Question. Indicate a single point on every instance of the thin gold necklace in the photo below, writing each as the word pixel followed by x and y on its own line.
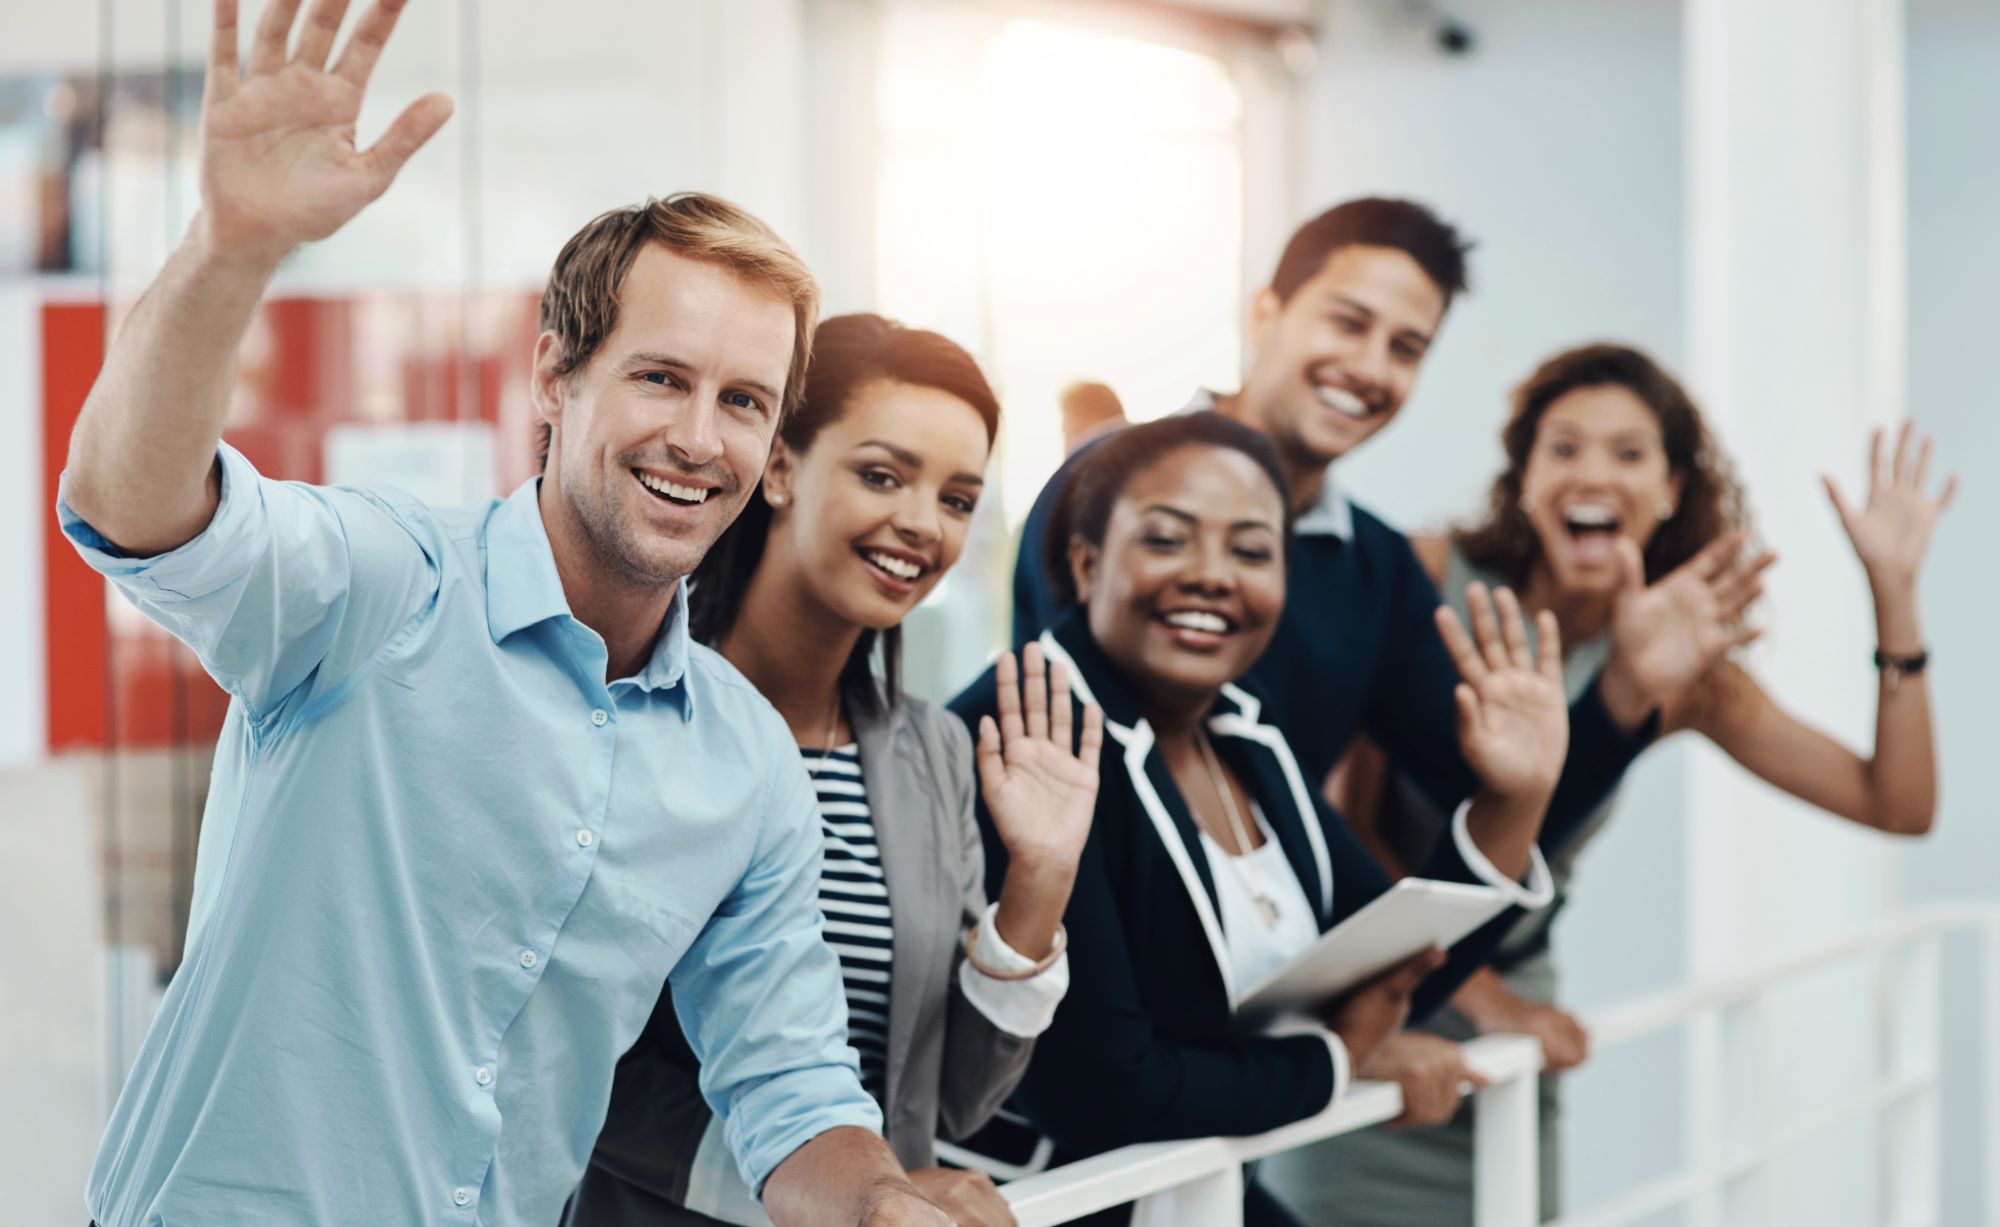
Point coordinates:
pixel 832 727
pixel 1266 908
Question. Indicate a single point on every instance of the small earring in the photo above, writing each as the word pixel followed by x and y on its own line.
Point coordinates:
pixel 1666 509
pixel 1527 507
pixel 776 500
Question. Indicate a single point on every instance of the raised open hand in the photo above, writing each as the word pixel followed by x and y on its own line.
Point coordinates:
pixel 1038 777
pixel 279 165
pixel 1666 635
pixel 1513 718
pixel 1892 532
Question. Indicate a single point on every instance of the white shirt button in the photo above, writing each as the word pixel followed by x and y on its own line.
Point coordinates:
pixel 599 716
pixel 461 1197
pixel 529 958
pixel 584 838
pixel 483 1076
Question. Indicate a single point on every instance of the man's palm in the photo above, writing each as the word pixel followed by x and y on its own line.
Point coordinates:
pixel 279 164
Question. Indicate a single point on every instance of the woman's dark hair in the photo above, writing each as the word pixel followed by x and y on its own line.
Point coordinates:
pixel 849 352
pixel 1711 501
pixel 1083 508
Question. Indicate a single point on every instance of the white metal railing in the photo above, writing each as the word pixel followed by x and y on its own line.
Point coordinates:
pixel 1202 1179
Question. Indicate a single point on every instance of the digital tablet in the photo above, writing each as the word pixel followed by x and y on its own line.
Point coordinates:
pixel 1412 914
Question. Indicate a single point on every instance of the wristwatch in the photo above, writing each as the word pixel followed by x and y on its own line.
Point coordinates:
pixel 1896 668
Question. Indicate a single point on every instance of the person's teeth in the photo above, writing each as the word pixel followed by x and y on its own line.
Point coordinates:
pixel 1342 400
pixel 898 567
pixel 1590 515
pixel 1197 620
pixel 673 490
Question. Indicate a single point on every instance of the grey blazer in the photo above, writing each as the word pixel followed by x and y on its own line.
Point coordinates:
pixel 949 1067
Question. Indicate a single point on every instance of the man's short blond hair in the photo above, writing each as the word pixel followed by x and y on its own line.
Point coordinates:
pixel 580 302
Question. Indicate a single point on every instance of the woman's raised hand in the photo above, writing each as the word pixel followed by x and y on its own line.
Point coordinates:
pixel 279 164
pixel 1891 532
pixel 1513 717
pixel 1665 635
pixel 1037 775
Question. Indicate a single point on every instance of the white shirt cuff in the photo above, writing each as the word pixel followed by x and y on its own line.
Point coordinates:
pixel 1343 1065
pixel 1534 894
pixel 1022 1008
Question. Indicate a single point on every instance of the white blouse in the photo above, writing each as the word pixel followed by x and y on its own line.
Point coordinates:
pixel 1257 947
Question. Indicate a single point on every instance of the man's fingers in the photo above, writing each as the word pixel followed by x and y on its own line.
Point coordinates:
pixel 1899 472
pixel 1923 468
pixel 1007 686
pixel 1950 488
pixel 418 123
pixel 1459 645
pixel 322 27
pixel 364 46
pixel 223 50
pixel 1035 691
pixel 274 33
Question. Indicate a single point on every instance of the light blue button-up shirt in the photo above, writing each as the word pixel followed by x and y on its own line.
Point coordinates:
pixel 443 872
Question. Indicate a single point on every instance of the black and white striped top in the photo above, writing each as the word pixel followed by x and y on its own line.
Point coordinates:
pixel 855 899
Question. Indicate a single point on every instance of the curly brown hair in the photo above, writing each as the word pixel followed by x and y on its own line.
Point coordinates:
pixel 1711 503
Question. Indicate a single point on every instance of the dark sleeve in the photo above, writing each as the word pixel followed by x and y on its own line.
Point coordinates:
pixel 1104 1076
pixel 1358 879
pixel 1413 716
pixel 1410 712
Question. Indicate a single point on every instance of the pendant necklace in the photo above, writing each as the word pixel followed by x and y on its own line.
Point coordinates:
pixel 1265 907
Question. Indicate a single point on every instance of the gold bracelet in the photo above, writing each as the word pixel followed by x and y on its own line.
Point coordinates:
pixel 1056 948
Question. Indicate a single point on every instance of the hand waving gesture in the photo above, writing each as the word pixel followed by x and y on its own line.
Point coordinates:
pixel 1513 718
pixel 1892 532
pixel 279 164
pixel 1666 635
pixel 1038 779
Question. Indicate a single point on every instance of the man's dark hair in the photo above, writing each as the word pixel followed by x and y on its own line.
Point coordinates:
pixel 1083 508
pixel 1375 221
pixel 849 352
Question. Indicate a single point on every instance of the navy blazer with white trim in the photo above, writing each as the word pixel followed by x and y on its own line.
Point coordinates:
pixel 1143 1047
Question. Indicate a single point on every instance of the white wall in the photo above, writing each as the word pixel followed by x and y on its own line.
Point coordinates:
pixel 1954 266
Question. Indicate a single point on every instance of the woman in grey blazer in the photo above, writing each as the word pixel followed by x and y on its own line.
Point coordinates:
pixel 864 505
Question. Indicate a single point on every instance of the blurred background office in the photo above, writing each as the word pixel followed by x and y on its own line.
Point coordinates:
pixel 1788 201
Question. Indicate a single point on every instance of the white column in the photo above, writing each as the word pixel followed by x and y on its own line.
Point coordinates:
pixel 1795 326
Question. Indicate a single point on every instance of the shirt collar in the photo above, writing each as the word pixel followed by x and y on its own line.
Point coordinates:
pixel 1331 515
pixel 523 588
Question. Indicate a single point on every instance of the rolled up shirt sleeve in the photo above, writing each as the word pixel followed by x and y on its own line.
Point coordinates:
pixel 1536 890
pixel 1022 1008
pixel 290 586
pixel 759 997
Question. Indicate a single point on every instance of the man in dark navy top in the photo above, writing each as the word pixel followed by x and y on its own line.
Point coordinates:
pixel 1337 340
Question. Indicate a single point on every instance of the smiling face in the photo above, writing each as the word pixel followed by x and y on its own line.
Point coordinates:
pixel 1185 591
pixel 1337 360
pixel 872 514
pixel 658 440
pixel 1598 469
